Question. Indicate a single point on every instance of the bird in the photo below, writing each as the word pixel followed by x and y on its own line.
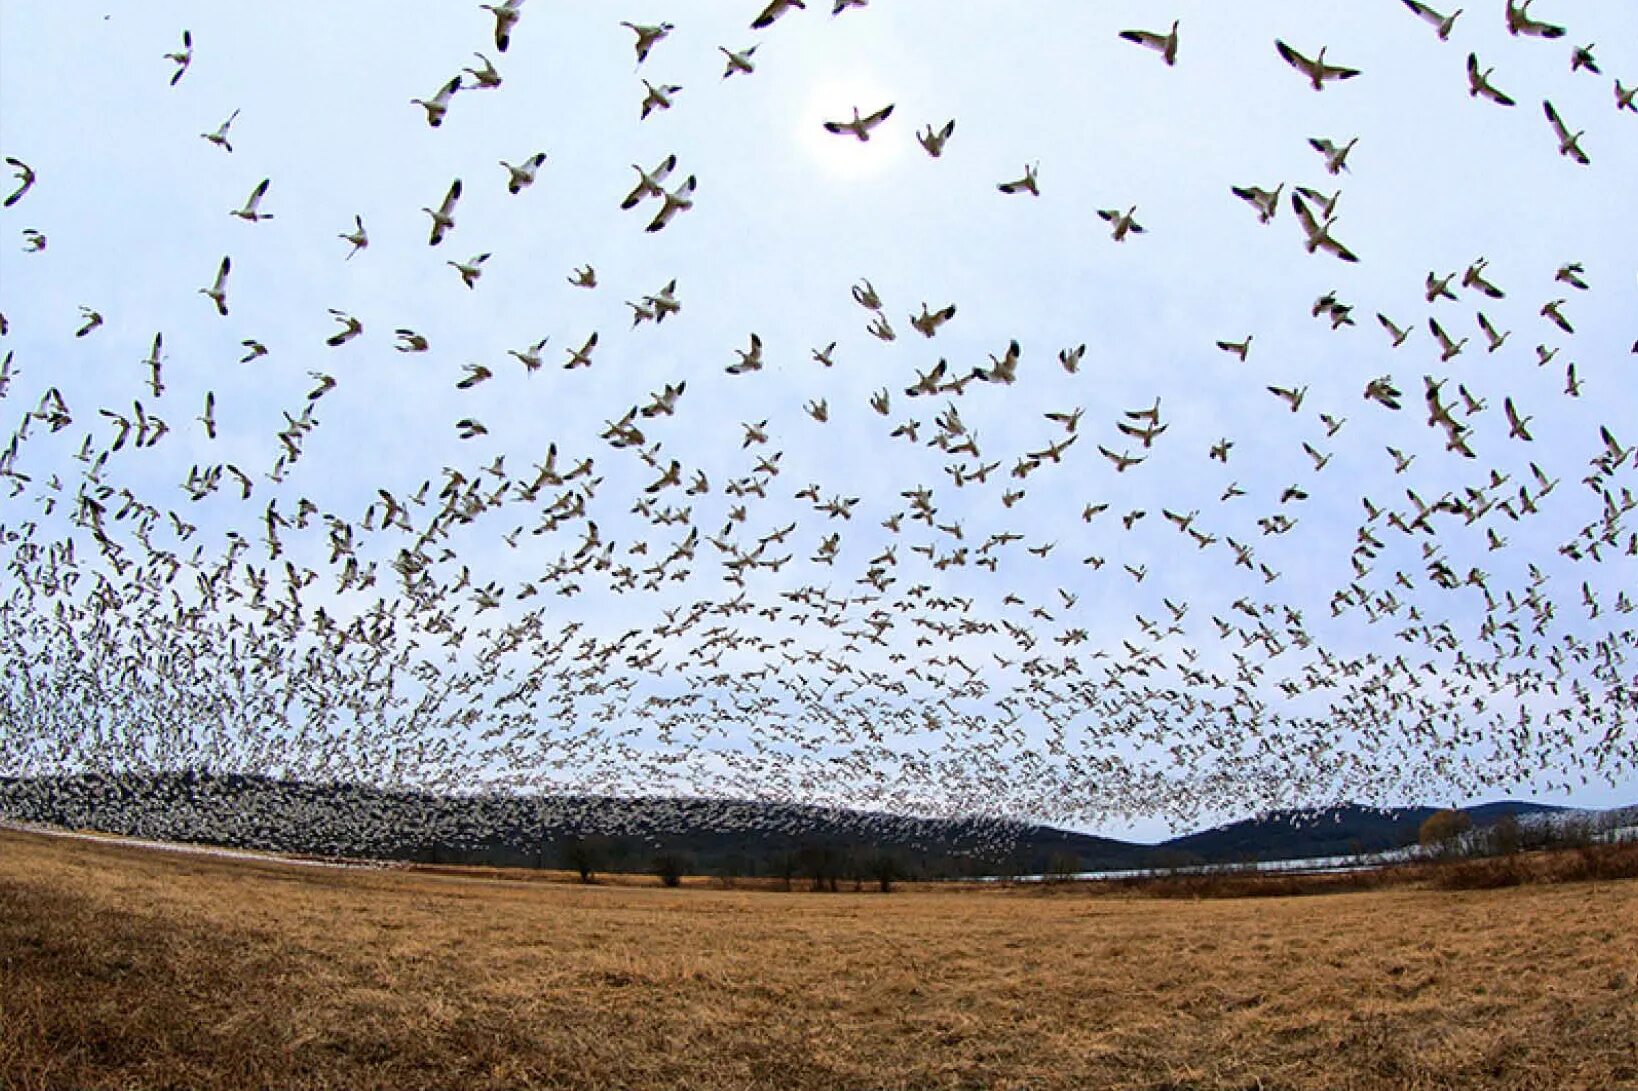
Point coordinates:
pixel 647 36
pixel 506 16
pixel 584 277
pixel 1027 184
pixel 1070 359
pixel 34 240
pixel 1519 22
pixel 1441 23
pixel 1448 349
pixel 220 136
pixel 657 98
pixel 1164 44
pixel 208 417
pixel 773 11
pixel 529 357
pixel 218 289
pixel 1570 273
pixel 673 202
pixel 471 269
pixel 749 360
pixel 839 6
pixel 1550 311
pixel 25 178
pixel 1439 287
pixel 357 236
pixel 350 328
pixel 485 78
pixel 92 321
pixel 1516 425
pixel 1479 85
pixel 1336 157
pixel 470 428
pixel 1292 396
pixel 251 212
pixel 1237 348
pixel 1474 278
pixel 1582 57
pixel 475 374
pixel 1266 202
pixel 1121 222
pixel 1319 235
pixel 1624 98
pixel 581 357
pixel 928 322
pixel 1317 71
pixel 410 341
pixel 183 58
pixel 438 105
pixel 864 293
pixel 443 218
pixel 860 126
pixel 649 183
pixel 823 356
pixel 933 140
pixel 1568 143
pixel 738 62
pixel 1495 339
pixel 523 175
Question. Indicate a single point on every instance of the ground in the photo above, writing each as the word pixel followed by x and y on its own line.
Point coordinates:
pixel 129 968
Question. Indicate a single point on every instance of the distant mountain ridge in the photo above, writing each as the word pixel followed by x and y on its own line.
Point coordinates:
pixel 744 838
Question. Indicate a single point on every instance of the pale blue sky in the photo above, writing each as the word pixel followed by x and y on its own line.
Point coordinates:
pixel 786 219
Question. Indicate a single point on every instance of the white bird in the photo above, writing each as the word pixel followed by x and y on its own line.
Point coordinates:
pixel 523 175
pixel 1568 143
pixel 928 322
pixel 748 360
pixel 443 218
pixel 220 136
pixel 1520 22
pixel 933 140
pixel 1319 235
pixel 486 77
pixel 1479 85
pixel 738 62
pixel 1625 96
pixel 439 104
pixel 647 36
pixel 1164 44
pixel 1495 339
pixel 773 11
pixel 678 200
pixel 1316 69
pixel 471 269
pixel 584 277
pixel 25 178
pixel 649 183
pixel 251 212
pixel 1121 222
pixel 1448 349
pixel 860 126
pixel 183 58
pixel 529 357
pixel 506 15
pixel 1027 184
pixel 358 236
pixel 658 98
pixel 1266 202
pixel 218 290
pixel 1441 23
pixel 1336 157
pixel 581 357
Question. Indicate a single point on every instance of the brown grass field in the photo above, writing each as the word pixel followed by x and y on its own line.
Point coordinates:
pixel 129 968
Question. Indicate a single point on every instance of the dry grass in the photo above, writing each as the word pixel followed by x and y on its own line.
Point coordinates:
pixel 121 968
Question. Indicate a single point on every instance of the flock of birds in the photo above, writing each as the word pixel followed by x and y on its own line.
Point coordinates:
pixel 666 611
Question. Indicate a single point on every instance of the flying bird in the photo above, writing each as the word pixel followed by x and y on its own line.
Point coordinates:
pixel 443 218
pixel 933 140
pixel 1479 85
pixel 678 200
pixel 860 127
pixel 506 16
pixel 522 176
pixel 220 136
pixel 1441 23
pixel 647 36
pixel 1569 144
pixel 773 11
pixel 251 212
pixel 218 289
pixel 438 105
pixel 183 58
pixel 1317 71
pixel 1026 184
pixel 1164 44
pixel 25 179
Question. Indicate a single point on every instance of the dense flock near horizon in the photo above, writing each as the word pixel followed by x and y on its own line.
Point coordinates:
pixel 1007 490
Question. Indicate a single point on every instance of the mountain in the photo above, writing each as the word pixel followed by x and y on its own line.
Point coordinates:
pixel 722 837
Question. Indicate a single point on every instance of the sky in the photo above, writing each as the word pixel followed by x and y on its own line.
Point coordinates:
pixel 786 220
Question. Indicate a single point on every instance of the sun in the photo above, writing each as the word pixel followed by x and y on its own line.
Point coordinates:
pixel 843 155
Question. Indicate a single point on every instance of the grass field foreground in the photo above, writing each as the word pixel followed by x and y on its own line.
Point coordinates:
pixel 124 968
